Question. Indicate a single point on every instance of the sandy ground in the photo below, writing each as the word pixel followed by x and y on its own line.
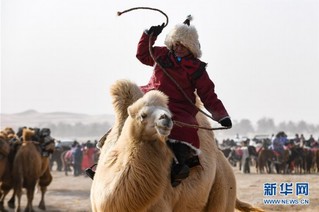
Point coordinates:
pixel 69 193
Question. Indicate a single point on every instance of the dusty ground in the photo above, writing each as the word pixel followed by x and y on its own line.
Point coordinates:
pixel 68 193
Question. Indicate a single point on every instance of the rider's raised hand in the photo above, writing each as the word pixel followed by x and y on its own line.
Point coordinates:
pixel 156 30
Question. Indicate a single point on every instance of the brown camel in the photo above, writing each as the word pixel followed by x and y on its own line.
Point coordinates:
pixel 5 136
pixel 282 166
pixel 133 172
pixel 4 164
pixel 9 148
pixel 4 150
pixel 30 168
pixel 265 159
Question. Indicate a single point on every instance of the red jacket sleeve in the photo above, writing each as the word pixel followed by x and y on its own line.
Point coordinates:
pixel 206 91
pixel 143 54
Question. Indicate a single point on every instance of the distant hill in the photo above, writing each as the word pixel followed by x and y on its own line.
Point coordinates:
pixel 33 118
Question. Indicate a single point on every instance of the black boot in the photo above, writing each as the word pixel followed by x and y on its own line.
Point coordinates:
pixel 178 173
pixel 193 161
pixel 186 158
pixel 89 172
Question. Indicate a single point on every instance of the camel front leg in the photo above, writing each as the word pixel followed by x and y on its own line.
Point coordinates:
pixel 44 181
pixel 42 203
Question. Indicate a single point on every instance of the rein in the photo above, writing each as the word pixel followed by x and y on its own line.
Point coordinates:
pixel 171 78
pixel 180 124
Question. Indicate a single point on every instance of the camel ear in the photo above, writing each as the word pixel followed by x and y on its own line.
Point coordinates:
pixel 131 111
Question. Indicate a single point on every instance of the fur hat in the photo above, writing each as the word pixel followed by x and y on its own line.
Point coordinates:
pixel 185 34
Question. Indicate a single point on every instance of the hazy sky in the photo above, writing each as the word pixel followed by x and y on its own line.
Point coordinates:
pixel 63 55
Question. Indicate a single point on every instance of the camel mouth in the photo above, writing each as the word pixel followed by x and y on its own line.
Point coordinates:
pixel 164 129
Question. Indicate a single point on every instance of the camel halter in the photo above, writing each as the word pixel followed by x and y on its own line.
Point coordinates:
pixel 178 123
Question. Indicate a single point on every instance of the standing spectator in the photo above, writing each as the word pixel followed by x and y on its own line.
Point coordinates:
pixel 88 155
pixel 91 153
pixel 56 155
pixel 85 159
pixel 77 160
pixel 245 157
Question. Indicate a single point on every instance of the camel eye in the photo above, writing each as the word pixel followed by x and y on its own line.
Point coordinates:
pixel 143 115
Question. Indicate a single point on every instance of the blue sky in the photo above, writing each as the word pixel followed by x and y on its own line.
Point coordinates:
pixel 63 55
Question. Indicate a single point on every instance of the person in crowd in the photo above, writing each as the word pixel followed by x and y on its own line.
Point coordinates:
pixel 77 160
pixel 278 144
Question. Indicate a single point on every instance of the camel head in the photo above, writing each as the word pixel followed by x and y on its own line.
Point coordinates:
pixel 48 144
pixel 4 147
pixel 46 141
pixel 151 116
pixel 9 131
pixel 3 136
pixel 27 134
pixel 6 134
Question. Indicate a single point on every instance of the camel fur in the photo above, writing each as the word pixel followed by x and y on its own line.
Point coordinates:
pixel 133 172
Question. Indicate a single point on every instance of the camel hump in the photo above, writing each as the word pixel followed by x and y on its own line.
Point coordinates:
pixel 156 97
pixel 243 206
pixel 124 93
pixel 27 134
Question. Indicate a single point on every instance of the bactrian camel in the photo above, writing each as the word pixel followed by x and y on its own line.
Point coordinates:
pixel 4 151
pixel 9 142
pixel 30 168
pixel 133 171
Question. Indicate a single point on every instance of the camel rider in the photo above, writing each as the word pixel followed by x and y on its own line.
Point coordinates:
pixel 278 145
pixel 180 59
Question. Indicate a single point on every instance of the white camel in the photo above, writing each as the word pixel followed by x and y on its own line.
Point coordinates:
pixel 133 172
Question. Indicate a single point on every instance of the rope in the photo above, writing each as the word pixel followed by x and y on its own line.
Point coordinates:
pixel 180 124
pixel 184 94
pixel 144 8
pixel 174 81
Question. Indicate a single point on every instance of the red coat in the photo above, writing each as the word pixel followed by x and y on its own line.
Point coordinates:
pixel 190 73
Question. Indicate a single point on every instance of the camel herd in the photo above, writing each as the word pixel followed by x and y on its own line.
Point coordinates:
pixel 133 171
pixel 24 162
pixel 292 160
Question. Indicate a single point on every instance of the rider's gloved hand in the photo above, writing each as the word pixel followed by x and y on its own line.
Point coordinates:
pixel 226 122
pixel 156 30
